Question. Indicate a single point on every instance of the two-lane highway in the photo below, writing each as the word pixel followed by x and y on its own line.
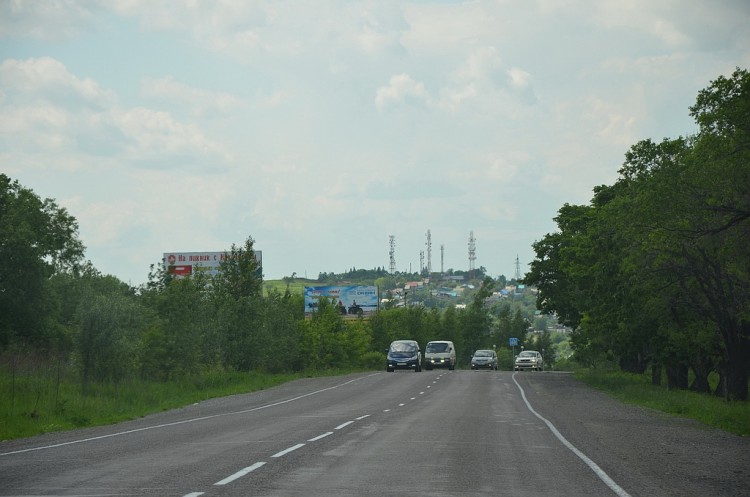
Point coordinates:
pixel 441 433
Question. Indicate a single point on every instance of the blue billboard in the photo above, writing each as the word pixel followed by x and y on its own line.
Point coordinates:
pixel 350 300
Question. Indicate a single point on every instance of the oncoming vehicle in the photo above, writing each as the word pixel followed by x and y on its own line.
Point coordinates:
pixel 404 354
pixel 440 354
pixel 484 359
pixel 529 359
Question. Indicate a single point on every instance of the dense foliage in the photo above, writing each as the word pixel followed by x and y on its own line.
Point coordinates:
pixel 656 270
pixel 59 313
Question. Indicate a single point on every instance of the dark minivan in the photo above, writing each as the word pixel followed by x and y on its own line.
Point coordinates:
pixel 404 354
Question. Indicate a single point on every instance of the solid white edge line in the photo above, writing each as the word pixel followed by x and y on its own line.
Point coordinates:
pixel 344 425
pixel 238 474
pixel 319 437
pixel 591 464
pixel 287 451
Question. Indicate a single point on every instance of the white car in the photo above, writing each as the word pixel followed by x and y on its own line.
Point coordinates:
pixel 529 359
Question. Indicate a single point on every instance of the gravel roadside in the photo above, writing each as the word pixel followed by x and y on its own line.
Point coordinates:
pixel 646 452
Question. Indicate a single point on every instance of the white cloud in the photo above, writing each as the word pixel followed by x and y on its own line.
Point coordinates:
pixel 320 128
pixel 48 78
pixel 156 134
pixel 519 78
pixel 201 102
pixel 51 20
pixel 401 88
pixel 52 108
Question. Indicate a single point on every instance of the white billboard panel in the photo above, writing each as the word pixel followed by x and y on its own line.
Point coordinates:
pixel 183 264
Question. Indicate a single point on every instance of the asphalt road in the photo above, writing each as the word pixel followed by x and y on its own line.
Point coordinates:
pixel 438 433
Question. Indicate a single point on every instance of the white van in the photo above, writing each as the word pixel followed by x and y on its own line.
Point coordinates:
pixel 440 354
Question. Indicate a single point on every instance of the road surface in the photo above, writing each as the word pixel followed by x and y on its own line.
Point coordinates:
pixel 437 433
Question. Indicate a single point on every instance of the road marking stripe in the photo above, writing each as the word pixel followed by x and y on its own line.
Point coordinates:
pixel 344 425
pixel 194 494
pixel 238 474
pixel 321 436
pixel 287 451
pixel 591 464
pixel 362 417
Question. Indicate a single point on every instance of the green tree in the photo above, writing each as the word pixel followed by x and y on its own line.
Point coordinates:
pixel 37 239
pixel 659 259
pixel 107 336
pixel 475 320
pixel 240 272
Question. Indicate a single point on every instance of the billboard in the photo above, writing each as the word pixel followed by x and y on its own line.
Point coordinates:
pixel 182 264
pixel 351 300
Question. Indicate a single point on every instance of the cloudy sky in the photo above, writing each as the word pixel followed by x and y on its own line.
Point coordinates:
pixel 321 128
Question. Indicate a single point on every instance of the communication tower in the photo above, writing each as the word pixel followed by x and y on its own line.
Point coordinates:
pixel 472 253
pixel 421 261
pixel 429 252
pixel 518 269
pixel 442 258
pixel 392 253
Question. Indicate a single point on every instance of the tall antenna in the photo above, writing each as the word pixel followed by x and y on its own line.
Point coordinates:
pixel 421 261
pixel 392 253
pixel 518 269
pixel 472 253
pixel 442 258
pixel 429 253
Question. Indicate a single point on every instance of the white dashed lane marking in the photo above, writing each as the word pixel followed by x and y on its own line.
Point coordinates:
pixel 238 474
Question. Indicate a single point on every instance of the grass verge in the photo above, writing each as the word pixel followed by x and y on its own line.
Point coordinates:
pixel 733 417
pixel 35 404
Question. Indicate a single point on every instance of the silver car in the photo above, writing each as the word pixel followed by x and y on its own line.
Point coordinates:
pixel 529 359
pixel 484 359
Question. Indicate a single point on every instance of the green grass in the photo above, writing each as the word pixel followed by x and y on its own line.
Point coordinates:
pixel 33 404
pixel 295 287
pixel 40 402
pixel 733 417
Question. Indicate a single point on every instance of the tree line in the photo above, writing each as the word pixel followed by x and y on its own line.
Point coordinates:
pixel 56 306
pixel 655 271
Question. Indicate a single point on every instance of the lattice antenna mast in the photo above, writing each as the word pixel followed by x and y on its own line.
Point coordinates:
pixel 442 258
pixel 472 253
pixel 392 253
pixel 421 261
pixel 429 252
pixel 518 269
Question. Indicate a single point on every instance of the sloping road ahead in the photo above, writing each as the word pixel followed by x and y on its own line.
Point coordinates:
pixel 438 433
